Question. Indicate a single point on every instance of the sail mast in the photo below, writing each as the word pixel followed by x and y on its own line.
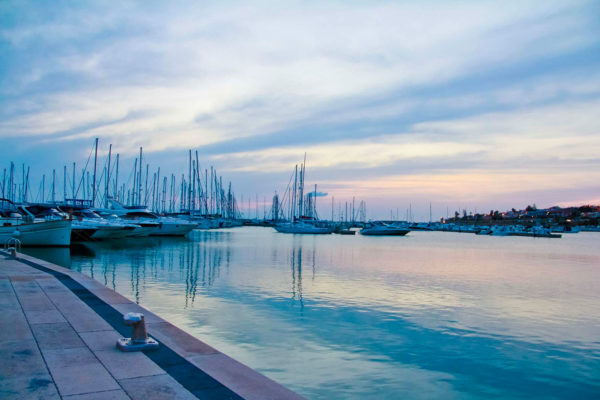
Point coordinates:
pixel 94 180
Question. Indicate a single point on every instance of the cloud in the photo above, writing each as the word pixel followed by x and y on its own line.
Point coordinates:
pixel 366 88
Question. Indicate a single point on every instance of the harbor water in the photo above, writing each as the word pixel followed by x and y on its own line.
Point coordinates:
pixel 428 315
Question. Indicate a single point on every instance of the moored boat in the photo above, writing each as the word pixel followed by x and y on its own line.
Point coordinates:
pixel 29 231
pixel 380 229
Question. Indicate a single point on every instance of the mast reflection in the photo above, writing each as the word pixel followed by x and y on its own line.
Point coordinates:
pixel 296 259
pixel 194 261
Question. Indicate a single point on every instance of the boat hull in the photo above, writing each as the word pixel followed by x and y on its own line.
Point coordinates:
pixel 173 229
pixel 48 233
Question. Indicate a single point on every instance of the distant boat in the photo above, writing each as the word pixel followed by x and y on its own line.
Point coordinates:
pixel 344 231
pixel 29 231
pixel 380 229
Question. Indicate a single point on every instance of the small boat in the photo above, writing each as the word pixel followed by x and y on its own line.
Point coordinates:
pixel 536 231
pixel 381 229
pixel 343 231
pixel 30 231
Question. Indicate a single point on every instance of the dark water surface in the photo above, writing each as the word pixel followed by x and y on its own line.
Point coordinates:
pixel 429 315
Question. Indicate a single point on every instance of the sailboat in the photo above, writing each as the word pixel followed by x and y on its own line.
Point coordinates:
pixel 300 223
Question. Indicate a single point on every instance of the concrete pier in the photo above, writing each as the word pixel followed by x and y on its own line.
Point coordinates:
pixel 58 330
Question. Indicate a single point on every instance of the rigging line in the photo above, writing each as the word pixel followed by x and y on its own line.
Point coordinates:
pixel 84 170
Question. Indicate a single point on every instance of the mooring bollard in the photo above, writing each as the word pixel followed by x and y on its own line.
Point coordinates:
pixel 139 339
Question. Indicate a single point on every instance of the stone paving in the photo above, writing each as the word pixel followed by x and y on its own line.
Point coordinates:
pixel 58 330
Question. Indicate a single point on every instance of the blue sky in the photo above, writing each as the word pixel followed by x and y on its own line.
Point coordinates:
pixel 473 105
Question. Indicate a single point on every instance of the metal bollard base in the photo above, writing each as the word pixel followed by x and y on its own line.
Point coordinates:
pixel 126 344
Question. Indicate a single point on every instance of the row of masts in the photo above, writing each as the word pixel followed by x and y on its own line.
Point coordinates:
pixel 199 192
pixel 296 205
pixel 202 191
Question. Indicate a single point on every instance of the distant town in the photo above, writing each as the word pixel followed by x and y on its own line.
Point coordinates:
pixel 582 216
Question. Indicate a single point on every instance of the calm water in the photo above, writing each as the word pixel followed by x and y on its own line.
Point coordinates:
pixel 429 315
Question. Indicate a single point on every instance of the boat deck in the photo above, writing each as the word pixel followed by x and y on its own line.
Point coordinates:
pixel 57 340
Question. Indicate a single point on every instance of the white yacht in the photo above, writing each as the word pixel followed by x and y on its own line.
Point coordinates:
pixel 165 226
pixel 31 231
pixel 381 229
pixel 105 228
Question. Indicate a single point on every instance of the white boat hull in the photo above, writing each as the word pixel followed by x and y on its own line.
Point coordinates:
pixel 49 233
pixel 110 232
pixel 173 229
pixel 143 230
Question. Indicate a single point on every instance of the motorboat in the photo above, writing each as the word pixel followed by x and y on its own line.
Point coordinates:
pixel 104 228
pixel 165 226
pixel 535 231
pixel 31 231
pixel 381 229
pixel 51 212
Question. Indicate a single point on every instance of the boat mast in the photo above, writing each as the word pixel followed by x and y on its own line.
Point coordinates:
pixel 314 201
pixel 53 183
pixel 4 183
pixel 146 186
pixel 65 183
pixel 294 197
pixel 94 180
pixel 10 181
pixel 73 187
pixel 139 185
pixel 115 194
pixel 107 177
pixel 135 179
pixel 26 189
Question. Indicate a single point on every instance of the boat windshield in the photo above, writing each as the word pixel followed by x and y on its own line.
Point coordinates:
pixel 89 214
pixel 139 214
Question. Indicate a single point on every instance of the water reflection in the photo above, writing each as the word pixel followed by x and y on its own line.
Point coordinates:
pixel 195 261
pixel 428 316
pixel 296 258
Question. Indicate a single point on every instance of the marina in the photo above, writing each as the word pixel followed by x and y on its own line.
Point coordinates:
pixel 299 200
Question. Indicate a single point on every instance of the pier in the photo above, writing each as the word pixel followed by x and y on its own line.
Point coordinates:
pixel 58 340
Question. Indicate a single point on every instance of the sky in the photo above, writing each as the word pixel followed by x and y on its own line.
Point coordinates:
pixel 465 105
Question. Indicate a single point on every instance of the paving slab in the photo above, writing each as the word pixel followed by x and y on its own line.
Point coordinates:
pixel 31 386
pixel 44 317
pixel 19 358
pixel 31 296
pixel 108 395
pixel 100 340
pixel 77 371
pixel 14 326
pixel 127 365
pixel 159 387
pixel 56 336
